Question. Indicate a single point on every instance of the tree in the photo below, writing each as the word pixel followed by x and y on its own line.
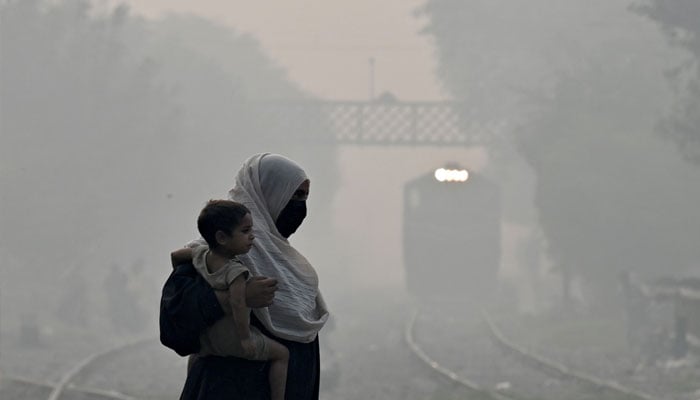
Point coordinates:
pixel 580 87
pixel 116 130
pixel 610 197
pixel 680 22
pixel 226 90
pixel 79 121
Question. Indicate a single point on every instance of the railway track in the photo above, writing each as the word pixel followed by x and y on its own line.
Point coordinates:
pixel 490 366
pixel 478 361
pixel 12 388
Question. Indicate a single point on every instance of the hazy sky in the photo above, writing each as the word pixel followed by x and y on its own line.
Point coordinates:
pixel 325 45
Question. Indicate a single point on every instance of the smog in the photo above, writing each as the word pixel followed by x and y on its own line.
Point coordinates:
pixel 503 195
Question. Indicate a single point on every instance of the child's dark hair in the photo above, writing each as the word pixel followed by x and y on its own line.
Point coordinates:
pixel 219 215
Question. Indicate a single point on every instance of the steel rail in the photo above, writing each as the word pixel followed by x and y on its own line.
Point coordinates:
pixel 446 372
pixel 63 383
pixel 555 368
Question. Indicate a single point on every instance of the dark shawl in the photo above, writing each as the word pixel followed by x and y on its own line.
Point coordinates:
pixel 188 306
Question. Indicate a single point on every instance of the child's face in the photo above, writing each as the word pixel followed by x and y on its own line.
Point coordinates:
pixel 241 239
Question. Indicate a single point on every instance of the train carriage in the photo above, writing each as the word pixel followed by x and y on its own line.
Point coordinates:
pixel 451 236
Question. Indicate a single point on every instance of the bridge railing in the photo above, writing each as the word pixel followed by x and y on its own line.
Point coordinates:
pixel 441 123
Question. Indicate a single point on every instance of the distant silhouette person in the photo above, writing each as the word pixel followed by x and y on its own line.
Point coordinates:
pixel 275 190
pixel 227 227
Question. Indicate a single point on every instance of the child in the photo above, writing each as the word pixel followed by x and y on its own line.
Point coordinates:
pixel 227 227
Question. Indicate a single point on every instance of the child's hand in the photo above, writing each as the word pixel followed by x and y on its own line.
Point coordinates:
pixel 181 256
pixel 248 348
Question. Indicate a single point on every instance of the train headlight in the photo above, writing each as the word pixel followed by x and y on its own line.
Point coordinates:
pixel 451 175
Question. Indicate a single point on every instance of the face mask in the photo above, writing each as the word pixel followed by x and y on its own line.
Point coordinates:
pixel 291 217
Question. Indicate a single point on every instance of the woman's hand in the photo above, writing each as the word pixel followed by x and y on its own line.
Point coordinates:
pixel 260 291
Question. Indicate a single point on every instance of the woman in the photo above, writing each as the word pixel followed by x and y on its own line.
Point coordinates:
pixel 275 190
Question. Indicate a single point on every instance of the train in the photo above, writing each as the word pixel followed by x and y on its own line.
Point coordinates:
pixel 451 236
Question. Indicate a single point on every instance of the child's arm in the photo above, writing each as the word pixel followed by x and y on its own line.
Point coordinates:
pixel 181 256
pixel 241 313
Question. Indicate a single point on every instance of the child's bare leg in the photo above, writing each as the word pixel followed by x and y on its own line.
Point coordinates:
pixel 279 357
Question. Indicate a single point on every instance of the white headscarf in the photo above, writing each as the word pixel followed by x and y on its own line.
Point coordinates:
pixel 265 184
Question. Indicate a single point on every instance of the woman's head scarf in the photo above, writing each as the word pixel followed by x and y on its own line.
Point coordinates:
pixel 265 184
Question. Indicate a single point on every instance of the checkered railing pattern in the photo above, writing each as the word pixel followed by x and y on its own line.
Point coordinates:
pixel 383 123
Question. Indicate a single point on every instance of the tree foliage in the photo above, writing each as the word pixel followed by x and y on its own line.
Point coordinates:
pixel 610 196
pixel 680 22
pixel 580 83
pixel 117 129
pixel 80 122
